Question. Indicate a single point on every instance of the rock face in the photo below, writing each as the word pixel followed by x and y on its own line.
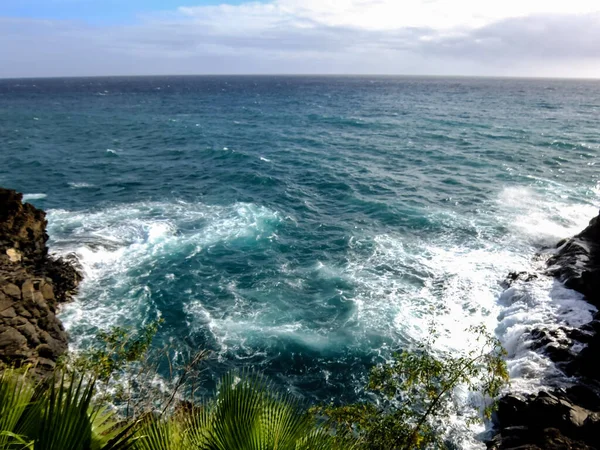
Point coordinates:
pixel 577 262
pixel 32 284
pixel 566 418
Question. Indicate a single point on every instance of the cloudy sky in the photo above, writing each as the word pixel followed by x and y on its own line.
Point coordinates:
pixel 435 37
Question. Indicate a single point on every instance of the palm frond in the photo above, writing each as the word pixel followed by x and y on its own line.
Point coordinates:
pixel 16 392
pixel 236 414
pixel 248 414
pixel 157 434
pixel 64 421
pixel 107 432
pixel 196 424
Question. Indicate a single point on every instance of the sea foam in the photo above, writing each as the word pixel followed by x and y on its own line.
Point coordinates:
pixel 27 197
pixel 116 245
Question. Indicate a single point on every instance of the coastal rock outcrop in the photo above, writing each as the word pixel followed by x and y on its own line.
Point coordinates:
pixel 563 418
pixel 577 262
pixel 32 284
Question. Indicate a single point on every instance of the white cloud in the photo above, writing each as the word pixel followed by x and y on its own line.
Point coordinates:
pixel 383 14
pixel 467 37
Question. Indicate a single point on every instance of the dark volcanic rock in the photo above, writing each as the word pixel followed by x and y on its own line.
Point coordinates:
pixel 31 286
pixel 586 363
pixel 562 419
pixel 526 423
pixel 518 276
pixel 521 438
pixel 577 262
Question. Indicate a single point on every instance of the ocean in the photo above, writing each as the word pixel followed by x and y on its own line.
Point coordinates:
pixel 308 227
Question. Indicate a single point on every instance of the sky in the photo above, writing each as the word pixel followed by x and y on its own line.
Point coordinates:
pixel 534 38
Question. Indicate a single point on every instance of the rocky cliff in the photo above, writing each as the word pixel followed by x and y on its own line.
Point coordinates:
pixel 32 284
pixel 564 418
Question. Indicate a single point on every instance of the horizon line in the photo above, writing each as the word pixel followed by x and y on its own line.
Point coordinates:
pixel 497 77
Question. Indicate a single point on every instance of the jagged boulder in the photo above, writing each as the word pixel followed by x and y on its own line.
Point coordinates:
pixel 522 438
pixel 527 421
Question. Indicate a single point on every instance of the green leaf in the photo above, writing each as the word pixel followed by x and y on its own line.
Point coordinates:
pixel 16 393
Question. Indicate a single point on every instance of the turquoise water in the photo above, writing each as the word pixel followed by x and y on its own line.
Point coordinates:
pixel 308 226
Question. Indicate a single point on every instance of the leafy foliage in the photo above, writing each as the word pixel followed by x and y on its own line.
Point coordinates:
pixel 57 415
pixel 115 348
pixel 412 395
pixel 126 368
pixel 410 404
pixel 246 413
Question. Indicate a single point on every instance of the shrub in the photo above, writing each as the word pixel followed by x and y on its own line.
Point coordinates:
pixel 412 393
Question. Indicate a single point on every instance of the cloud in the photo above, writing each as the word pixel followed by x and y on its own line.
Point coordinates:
pixel 319 36
pixel 383 14
pixel 542 37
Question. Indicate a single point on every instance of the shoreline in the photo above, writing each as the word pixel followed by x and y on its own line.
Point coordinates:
pixel 565 418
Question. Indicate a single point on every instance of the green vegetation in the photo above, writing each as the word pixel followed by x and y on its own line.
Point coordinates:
pixel 246 413
pixel 58 415
pixel 125 368
pixel 115 349
pixel 410 402
pixel 411 395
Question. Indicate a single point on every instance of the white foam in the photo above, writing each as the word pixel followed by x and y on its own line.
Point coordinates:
pixel 262 158
pixel 76 185
pixel 542 221
pixel 405 284
pixel 27 197
pixel 230 332
pixel 539 304
pixel 115 245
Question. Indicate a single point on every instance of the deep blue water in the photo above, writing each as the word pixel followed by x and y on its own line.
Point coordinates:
pixel 306 226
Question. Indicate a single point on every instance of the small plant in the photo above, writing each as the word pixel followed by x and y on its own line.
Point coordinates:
pixel 114 349
pixel 127 370
pixel 412 395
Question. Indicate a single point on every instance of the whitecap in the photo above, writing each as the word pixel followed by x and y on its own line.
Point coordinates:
pixel 262 158
pixel 82 185
pixel 27 197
